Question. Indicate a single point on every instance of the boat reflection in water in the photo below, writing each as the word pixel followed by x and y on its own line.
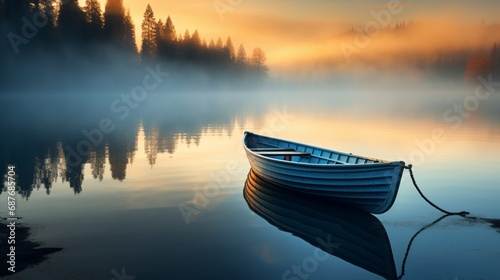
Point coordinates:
pixel 359 237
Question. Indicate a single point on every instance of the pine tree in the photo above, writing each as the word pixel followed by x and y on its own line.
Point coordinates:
pixel 229 48
pixel 160 31
pixel 47 9
pixel 187 36
pixel 71 21
pixel 170 31
pixel 114 14
pixel 167 40
pixel 219 45
pixel 93 14
pixel 94 17
pixel 149 34
pixel 118 26
pixel 241 56
pixel 258 62
pixel 129 34
pixel 195 39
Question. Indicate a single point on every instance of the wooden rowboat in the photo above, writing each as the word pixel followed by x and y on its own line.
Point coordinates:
pixel 361 182
pixel 352 235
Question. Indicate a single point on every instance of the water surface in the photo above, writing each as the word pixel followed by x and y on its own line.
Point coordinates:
pixel 162 195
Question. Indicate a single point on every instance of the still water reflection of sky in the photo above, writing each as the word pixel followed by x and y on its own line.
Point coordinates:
pixel 120 208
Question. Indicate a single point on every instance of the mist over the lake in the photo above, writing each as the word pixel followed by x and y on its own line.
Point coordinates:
pixel 122 127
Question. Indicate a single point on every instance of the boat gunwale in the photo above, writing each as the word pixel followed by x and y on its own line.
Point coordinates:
pixel 320 165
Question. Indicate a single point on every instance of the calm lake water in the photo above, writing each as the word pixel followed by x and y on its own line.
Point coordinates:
pixel 164 195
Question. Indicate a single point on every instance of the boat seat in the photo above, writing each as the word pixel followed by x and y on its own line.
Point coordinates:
pixel 287 154
pixel 271 149
pixel 283 153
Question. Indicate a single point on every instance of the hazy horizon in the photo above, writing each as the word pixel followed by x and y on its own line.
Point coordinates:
pixel 303 37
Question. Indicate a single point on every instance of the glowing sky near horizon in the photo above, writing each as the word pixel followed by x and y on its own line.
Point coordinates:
pixel 288 29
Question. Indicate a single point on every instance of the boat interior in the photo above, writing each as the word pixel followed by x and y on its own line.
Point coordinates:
pixel 295 152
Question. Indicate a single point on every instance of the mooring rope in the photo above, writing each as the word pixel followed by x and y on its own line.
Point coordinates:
pixel 462 213
pixel 403 265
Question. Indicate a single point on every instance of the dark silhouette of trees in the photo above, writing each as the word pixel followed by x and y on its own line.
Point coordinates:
pixel 167 40
pixel 479 65
pixel 160 29
pixel 169 37
pixel 16 25
pixel 114 15
pixel 118 26
pixel 495 59
pixel 149 34
pixel 48 10
pixel 97 162
pixel 14 10
pixel 195 39
pixel 219 45
pixel 95 20
pixel 258 62
pixel 129 34
pixel 71 22
pixel 241 57
pixel 161 41
pixel 74 175
pixel 192 47
pixel 212 44
pixel 483 64
pixel 229 49
pixel 32 29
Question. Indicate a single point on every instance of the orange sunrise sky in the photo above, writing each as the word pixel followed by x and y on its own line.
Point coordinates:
pixel 304 32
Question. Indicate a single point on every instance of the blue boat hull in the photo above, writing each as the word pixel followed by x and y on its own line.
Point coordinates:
pixel 365 183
